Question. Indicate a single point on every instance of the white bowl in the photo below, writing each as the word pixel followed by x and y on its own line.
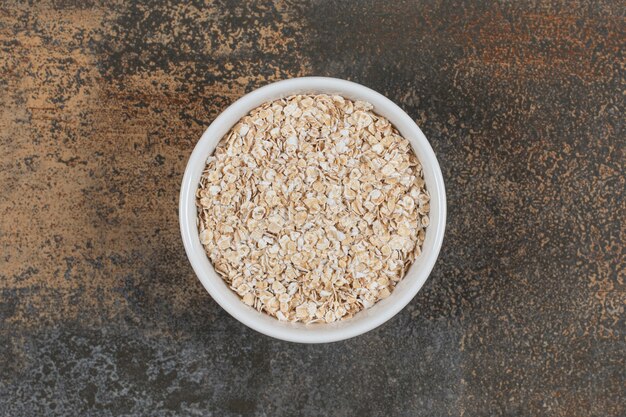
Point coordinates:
pixel 366 319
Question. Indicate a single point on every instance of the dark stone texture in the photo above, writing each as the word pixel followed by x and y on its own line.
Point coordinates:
pixel 101 104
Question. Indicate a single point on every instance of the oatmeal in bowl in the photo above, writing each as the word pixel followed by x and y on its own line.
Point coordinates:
pixel 314 211
pixel 312 207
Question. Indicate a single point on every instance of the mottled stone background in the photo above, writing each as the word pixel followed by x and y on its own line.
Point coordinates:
pixel 101 104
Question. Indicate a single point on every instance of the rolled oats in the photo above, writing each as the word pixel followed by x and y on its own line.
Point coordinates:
pixel 312 208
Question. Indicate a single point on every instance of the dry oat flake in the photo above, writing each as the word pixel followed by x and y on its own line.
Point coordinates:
pixel 312 208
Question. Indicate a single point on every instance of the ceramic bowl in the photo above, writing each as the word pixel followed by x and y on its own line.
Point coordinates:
pixel 365 320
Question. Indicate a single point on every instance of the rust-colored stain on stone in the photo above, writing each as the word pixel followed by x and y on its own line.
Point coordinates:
pixel 99 121
pixel 101 104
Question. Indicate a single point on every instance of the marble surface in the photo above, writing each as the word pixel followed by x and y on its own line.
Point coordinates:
pixel 101 104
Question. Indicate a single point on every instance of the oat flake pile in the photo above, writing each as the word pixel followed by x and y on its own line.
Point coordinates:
pixel 312 208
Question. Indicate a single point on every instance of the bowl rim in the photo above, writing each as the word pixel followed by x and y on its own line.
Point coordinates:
pixel 213 283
